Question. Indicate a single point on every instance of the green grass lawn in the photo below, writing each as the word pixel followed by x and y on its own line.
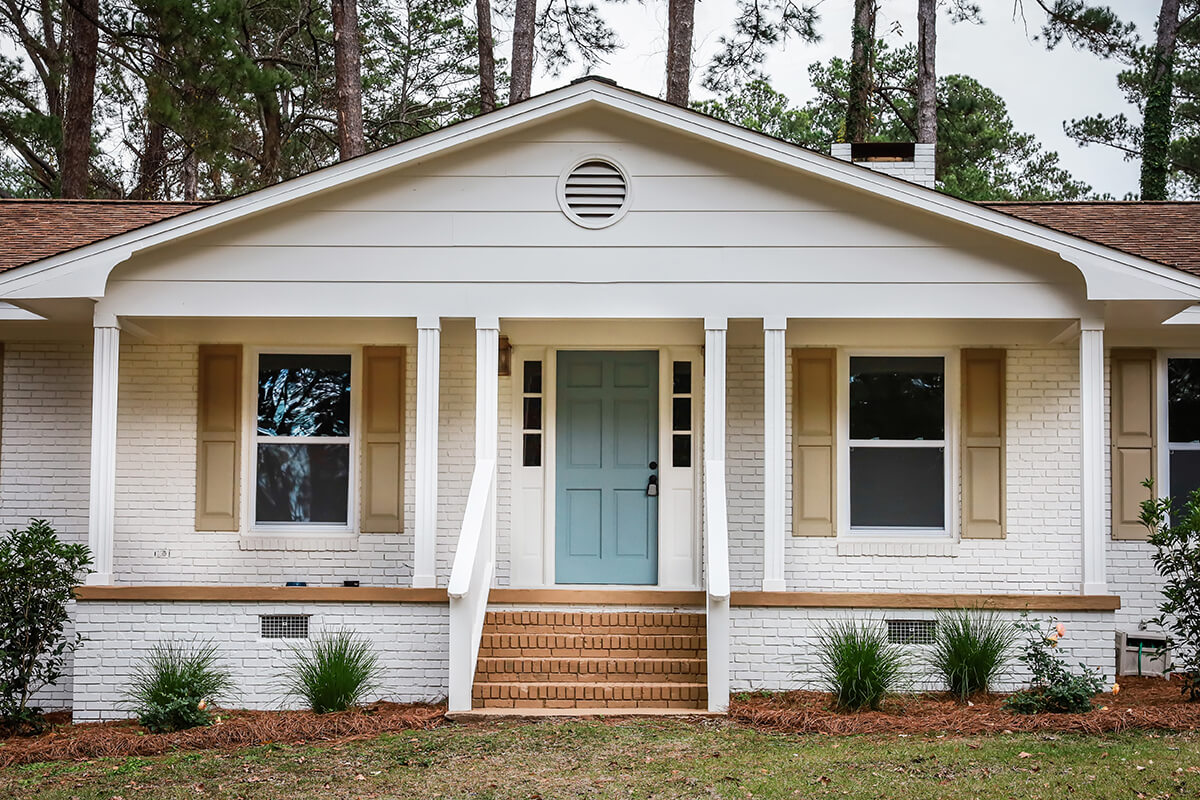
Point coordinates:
pixel 642 759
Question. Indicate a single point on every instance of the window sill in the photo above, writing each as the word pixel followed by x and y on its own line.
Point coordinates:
pixel 323 542
pixel 905 547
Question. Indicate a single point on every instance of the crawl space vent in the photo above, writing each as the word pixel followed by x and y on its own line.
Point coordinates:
pixel 594 193
pixel 284 626
pixel 911 631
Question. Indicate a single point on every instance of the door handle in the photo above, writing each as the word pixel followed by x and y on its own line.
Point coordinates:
pixel 652 486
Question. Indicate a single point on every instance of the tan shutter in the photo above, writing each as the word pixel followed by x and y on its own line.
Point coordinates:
pixel 814 416
pixel 983 454
pixel 1133 438
pixel 383 440
pixel 218 438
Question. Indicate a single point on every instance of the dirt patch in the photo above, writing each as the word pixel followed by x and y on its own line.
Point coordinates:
pixel 238 729
pixel 1142 704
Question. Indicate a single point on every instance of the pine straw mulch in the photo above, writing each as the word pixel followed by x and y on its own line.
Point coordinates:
pixel 125 738
pixel 1141 704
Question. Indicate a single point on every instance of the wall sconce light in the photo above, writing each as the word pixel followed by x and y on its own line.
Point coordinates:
pixel 504 358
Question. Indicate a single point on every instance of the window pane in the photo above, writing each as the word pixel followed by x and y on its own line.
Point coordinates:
pixel 1185 475
pixel 681 450
pixel 303 395
pixel 303 483
pixel 532 455
pixel 533 377
pixel 897 487
pixel 533 413
pixel 897 398
pixel 1183 407
pixel 681 378
pixel 681 414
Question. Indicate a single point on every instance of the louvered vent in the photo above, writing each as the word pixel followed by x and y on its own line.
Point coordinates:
pixel 594 193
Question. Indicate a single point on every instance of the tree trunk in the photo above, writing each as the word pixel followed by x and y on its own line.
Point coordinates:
pixel 927 71
pixel 522 55
pixel 681 22
pixel 347 66
pixel 151 164
pixel 189 176
pixel 1156 124
pixel 487 57
pixel 81 95
pixel 858 109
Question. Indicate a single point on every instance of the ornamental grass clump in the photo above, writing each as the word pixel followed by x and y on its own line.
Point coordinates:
pixel 971 649
pixel 175 686
pixel 858 664
pixel 334 673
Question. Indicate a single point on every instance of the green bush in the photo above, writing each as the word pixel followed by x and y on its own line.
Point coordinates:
pixel 858 664
pixel 1175 535
pixel 38 574
pixel 334 673
pixel 175 685
pixel 1053 688
pixel 971 649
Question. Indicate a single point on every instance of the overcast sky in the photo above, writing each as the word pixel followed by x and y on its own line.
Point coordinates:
pixel 1042 88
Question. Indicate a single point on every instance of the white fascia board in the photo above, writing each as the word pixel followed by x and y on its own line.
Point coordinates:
pixel 1110 274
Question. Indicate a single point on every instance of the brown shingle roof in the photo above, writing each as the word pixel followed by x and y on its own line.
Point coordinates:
pixel 1165 232
pixel 36 229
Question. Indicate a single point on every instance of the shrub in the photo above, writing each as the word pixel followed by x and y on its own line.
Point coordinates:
pixel 1053 688
pixel 1175 535
pixel 858 664
pixel 971 648
pixel 38 573
pixel 334 673
pixel 175 685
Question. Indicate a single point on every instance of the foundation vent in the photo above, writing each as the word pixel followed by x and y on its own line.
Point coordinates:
pixel 911 631
pixel 284 626
pixel 594 193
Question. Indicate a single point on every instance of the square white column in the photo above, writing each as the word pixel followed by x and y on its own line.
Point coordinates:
pixel 717 608
pixel 429 355
pixel 774 442
pixel 106 355
pixel 1092 455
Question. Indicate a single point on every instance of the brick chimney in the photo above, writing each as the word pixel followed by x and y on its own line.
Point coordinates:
pixel 908 160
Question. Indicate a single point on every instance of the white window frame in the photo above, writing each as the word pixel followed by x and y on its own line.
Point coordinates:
pixel 250 479
pixel 1163 489
pixel 950 494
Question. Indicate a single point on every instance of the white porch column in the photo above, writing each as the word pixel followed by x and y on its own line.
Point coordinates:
pixel 106 355
pixel 717 616
pixel 1091 454
pixel 487 399
pixel 429 356
pixel 774 439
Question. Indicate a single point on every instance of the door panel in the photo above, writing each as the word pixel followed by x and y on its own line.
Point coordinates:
pixel 607 431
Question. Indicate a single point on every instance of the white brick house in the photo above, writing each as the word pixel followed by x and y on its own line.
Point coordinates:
pixel 587 356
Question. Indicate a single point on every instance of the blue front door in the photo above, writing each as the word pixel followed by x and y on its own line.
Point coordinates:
pixel 606 520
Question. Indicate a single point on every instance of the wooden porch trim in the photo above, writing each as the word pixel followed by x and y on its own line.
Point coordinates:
pixel 600 597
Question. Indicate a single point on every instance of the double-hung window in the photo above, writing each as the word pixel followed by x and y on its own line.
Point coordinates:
pixel 302 441
pixel 897 443
pixel 1183 427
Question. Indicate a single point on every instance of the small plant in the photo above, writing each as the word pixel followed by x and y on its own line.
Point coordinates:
pixel 1175 535
pixel 336 672
pixel 175 685
pixel 38 574
pixel 971 649
pixel 858 664
pixel 1053 688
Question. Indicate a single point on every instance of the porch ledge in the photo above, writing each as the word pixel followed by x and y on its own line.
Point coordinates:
pixel 1006 602
pixel 198 593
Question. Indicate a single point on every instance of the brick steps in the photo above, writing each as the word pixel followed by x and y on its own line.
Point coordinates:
pixel 565 660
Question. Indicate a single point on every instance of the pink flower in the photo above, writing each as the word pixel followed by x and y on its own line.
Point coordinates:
pixel 1061 630
pixel 203 704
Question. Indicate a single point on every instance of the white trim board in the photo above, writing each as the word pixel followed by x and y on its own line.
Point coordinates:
pixel 1109 274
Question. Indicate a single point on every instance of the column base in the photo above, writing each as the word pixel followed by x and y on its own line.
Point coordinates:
pixel 774 585
pixel 99 579
pixel 424 582
pixel 1094 589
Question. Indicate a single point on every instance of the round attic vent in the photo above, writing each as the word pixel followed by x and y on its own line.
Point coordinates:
pixel 594 193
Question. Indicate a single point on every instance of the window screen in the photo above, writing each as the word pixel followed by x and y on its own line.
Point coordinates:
pixel 303 439
pixel 1183 427
pixel 897 442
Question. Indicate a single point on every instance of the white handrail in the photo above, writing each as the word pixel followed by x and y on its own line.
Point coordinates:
pixel 470 583
pixel 716 530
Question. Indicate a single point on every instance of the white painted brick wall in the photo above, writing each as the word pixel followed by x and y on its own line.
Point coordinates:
pixel 412 641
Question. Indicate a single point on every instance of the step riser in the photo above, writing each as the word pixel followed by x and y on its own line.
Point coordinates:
pixel 618 694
